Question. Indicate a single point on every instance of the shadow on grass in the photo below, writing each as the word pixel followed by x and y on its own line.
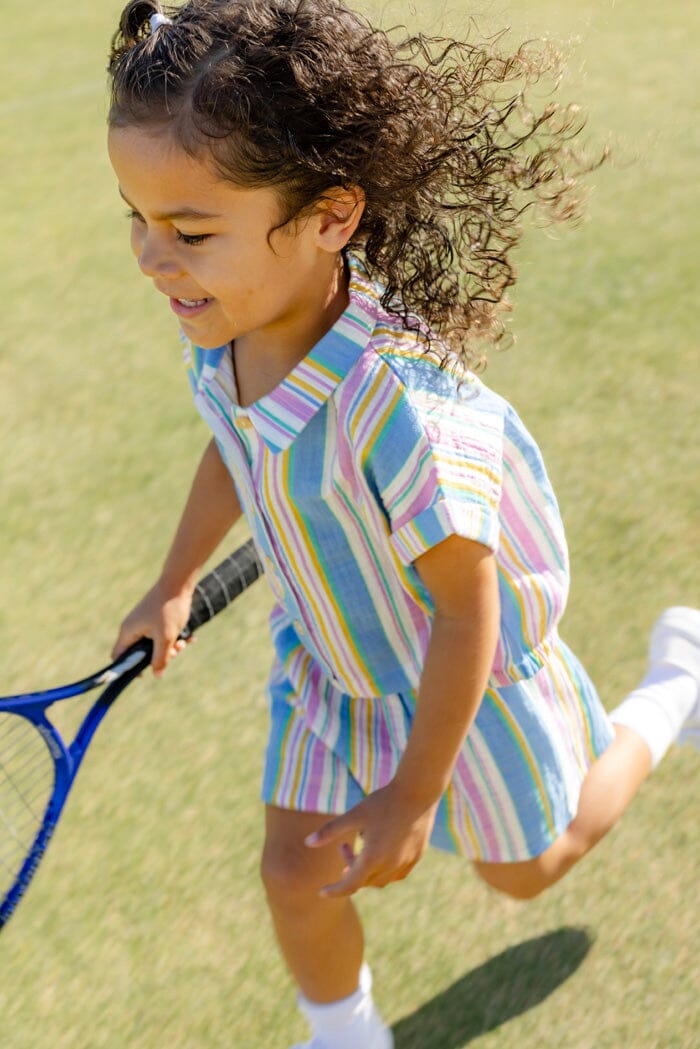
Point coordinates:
pixel 503 987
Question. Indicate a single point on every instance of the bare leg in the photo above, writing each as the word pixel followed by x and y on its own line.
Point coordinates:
pixel 607 790
pixel 321 939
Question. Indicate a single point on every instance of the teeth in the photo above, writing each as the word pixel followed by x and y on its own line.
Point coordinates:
pixel 192 302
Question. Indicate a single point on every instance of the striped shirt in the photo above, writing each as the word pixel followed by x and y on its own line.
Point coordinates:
pixel 364 457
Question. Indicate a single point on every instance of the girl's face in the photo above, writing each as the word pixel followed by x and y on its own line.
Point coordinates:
pixel 206 244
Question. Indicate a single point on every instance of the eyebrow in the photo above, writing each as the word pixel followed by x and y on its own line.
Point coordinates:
pixel 179 213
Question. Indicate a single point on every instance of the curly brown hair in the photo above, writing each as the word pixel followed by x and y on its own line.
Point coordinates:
pixel 439 134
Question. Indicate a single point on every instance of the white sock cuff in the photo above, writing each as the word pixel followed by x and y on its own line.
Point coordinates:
pixel 328 1015
pixel 675 640
pixel 647 717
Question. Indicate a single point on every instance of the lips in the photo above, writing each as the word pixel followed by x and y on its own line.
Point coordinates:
pixel 189 307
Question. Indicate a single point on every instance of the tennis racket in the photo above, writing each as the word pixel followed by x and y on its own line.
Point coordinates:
pixel 38 769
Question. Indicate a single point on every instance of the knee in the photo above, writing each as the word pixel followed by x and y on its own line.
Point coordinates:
pixel 518 881
pixel 288 874
pixel 530 878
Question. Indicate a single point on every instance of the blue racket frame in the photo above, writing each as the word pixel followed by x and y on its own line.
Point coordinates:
pixel 212 594
pixel 66 759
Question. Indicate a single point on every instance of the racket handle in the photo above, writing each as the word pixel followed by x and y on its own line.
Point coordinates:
pixel 223 584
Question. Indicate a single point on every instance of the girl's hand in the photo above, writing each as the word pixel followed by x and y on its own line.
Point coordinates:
pixel 161 616
pixel 395 834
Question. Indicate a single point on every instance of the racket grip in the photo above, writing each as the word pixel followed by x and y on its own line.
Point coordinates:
pixel 225 582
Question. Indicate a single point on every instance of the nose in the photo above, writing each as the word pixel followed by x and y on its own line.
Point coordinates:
pixel 155 257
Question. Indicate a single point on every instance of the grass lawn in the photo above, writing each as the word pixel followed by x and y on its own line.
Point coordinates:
pixel 146 927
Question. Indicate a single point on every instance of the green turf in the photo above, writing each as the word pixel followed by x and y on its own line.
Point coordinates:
pixel 146 927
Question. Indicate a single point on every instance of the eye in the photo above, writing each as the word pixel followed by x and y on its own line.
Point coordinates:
pixel 193 239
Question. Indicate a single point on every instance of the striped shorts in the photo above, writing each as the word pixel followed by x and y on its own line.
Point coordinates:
pixel 516 783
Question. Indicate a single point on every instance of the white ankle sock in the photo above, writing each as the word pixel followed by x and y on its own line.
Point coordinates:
pixel 346 1024
pixel 657 710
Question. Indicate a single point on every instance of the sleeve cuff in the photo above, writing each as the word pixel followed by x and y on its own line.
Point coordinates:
pixel 441 520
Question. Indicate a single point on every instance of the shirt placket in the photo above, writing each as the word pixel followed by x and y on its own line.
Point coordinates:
pixel 255 451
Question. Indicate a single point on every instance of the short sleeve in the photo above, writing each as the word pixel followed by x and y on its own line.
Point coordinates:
pixel 438 468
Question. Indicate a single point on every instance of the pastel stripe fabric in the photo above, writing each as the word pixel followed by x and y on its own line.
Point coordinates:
pixel 362 459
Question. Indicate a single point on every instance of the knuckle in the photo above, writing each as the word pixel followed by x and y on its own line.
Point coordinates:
pixel 380 883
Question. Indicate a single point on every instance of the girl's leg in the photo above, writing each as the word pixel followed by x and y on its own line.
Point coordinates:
pixel 607 790
pixel 666 704
pixel 321 939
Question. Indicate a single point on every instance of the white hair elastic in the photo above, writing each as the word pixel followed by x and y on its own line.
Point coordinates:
pixel 157 20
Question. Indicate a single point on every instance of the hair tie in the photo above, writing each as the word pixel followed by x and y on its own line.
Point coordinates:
pixel 157 20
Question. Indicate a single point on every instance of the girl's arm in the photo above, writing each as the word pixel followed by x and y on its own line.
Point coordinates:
pixel 395 822
pixel 211 509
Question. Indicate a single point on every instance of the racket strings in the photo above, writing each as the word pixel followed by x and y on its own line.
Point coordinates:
pixel 26 784
pixel 18 749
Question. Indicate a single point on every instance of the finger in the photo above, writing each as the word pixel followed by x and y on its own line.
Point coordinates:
pixel 356 876
pixel 161 655
pixel 343 827
pixel 176 648
pixel 361 873
pixel 382 878
pixel 124 639
pixel 348 854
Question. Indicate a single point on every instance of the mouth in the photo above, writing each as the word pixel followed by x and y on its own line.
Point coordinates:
pixel 189 307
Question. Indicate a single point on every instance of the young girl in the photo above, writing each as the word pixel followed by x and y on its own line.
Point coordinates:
pixel 331 212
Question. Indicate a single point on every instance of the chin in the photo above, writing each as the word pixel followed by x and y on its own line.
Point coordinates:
pixel 204 340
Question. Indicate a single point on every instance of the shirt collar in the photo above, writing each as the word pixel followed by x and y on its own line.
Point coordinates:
pixel 281 415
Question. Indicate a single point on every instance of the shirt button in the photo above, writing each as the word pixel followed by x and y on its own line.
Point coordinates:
pixel 299 628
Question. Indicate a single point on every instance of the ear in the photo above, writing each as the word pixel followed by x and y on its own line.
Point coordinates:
pixel 338 216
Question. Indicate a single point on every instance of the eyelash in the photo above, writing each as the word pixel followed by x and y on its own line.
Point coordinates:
pixel 191 239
